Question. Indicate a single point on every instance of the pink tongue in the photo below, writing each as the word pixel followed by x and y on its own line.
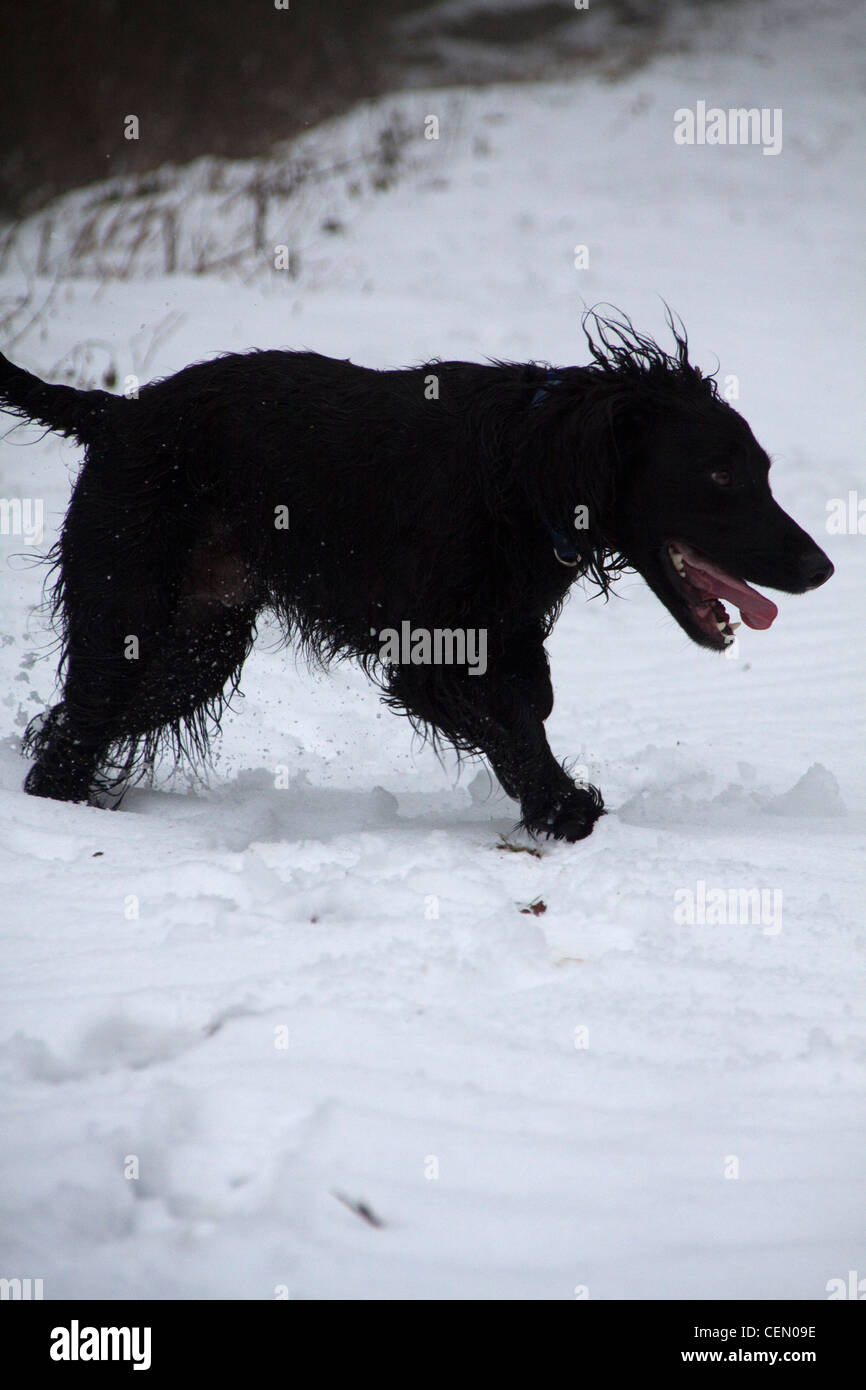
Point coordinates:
pixel 755 610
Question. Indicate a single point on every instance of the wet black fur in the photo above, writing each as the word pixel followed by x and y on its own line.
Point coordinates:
pixel 439 506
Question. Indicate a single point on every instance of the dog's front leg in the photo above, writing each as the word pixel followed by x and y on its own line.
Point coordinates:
pixel 515 743
pixel 501 714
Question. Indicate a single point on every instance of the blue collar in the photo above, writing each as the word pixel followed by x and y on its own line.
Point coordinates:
pixel 550 379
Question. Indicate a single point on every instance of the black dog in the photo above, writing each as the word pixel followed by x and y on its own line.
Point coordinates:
pixel 400 517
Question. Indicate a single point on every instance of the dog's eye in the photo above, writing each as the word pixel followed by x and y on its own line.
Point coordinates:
pixel 722 478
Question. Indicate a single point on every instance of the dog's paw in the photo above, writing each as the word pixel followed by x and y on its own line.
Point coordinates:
pixel 571 818
pixel 56 785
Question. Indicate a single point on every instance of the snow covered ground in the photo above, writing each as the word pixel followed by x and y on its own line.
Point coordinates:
pixel 309 978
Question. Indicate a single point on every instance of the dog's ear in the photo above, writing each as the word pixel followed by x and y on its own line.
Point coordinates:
pixel 629 423
pixel 573 456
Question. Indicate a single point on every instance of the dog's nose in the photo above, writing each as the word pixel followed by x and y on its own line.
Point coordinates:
pixel 815 568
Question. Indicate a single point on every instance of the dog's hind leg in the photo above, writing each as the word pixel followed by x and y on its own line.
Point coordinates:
pixel 72 742
pixel 150 647
pixel 187 662
pixel 66 761
pixel 183 689
pixel 115 589
pixel 501 714
pixel 177 686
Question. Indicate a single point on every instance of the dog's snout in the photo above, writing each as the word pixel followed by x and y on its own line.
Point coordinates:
pixel 816 568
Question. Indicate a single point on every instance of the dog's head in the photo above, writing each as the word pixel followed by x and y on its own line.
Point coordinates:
pixel 695 515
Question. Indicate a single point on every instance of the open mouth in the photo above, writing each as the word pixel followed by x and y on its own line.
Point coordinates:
pixel 702 585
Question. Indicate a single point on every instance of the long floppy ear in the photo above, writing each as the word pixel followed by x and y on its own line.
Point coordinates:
pixel 576 449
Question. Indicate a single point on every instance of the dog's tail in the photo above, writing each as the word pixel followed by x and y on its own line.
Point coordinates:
pixel 60 408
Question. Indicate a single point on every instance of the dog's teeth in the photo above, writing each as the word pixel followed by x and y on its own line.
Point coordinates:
pixel 734 626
